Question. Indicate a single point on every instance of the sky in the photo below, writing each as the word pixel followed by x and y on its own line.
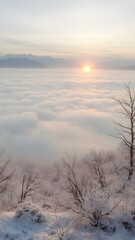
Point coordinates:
pixel 68 28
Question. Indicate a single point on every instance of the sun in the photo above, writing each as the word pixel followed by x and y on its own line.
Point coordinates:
pixel 87 68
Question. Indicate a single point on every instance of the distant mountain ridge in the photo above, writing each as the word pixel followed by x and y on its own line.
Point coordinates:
pixel 31 61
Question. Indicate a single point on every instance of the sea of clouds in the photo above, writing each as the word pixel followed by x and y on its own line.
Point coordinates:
pixel 45 113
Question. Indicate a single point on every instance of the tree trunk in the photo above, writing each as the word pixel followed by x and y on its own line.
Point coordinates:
pixel 131 163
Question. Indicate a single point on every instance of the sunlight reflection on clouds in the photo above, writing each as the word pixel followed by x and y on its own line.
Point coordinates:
pixel 43 112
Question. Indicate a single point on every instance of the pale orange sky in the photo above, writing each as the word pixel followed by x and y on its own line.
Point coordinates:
pixel 72 28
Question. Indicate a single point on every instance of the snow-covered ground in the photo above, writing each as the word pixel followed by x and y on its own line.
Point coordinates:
pixel 13 228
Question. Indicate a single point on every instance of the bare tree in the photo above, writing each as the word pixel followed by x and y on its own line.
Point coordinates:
pixel 6 172
pixel 5 175
pixel 30 183
pixel 126 131
pixel 75 189
pixel 96 168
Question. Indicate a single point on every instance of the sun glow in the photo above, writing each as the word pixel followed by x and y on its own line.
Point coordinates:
pixel 87 68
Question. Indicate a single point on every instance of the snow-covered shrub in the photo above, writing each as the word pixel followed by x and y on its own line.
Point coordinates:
pixel 97 210
pixel 30 211
pixel 89 201
pixel 128 221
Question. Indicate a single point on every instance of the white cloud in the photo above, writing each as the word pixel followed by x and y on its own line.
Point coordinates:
pixel 18 123
pixel 45 112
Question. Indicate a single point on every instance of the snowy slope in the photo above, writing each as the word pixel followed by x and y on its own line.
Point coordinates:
pixel 12 228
